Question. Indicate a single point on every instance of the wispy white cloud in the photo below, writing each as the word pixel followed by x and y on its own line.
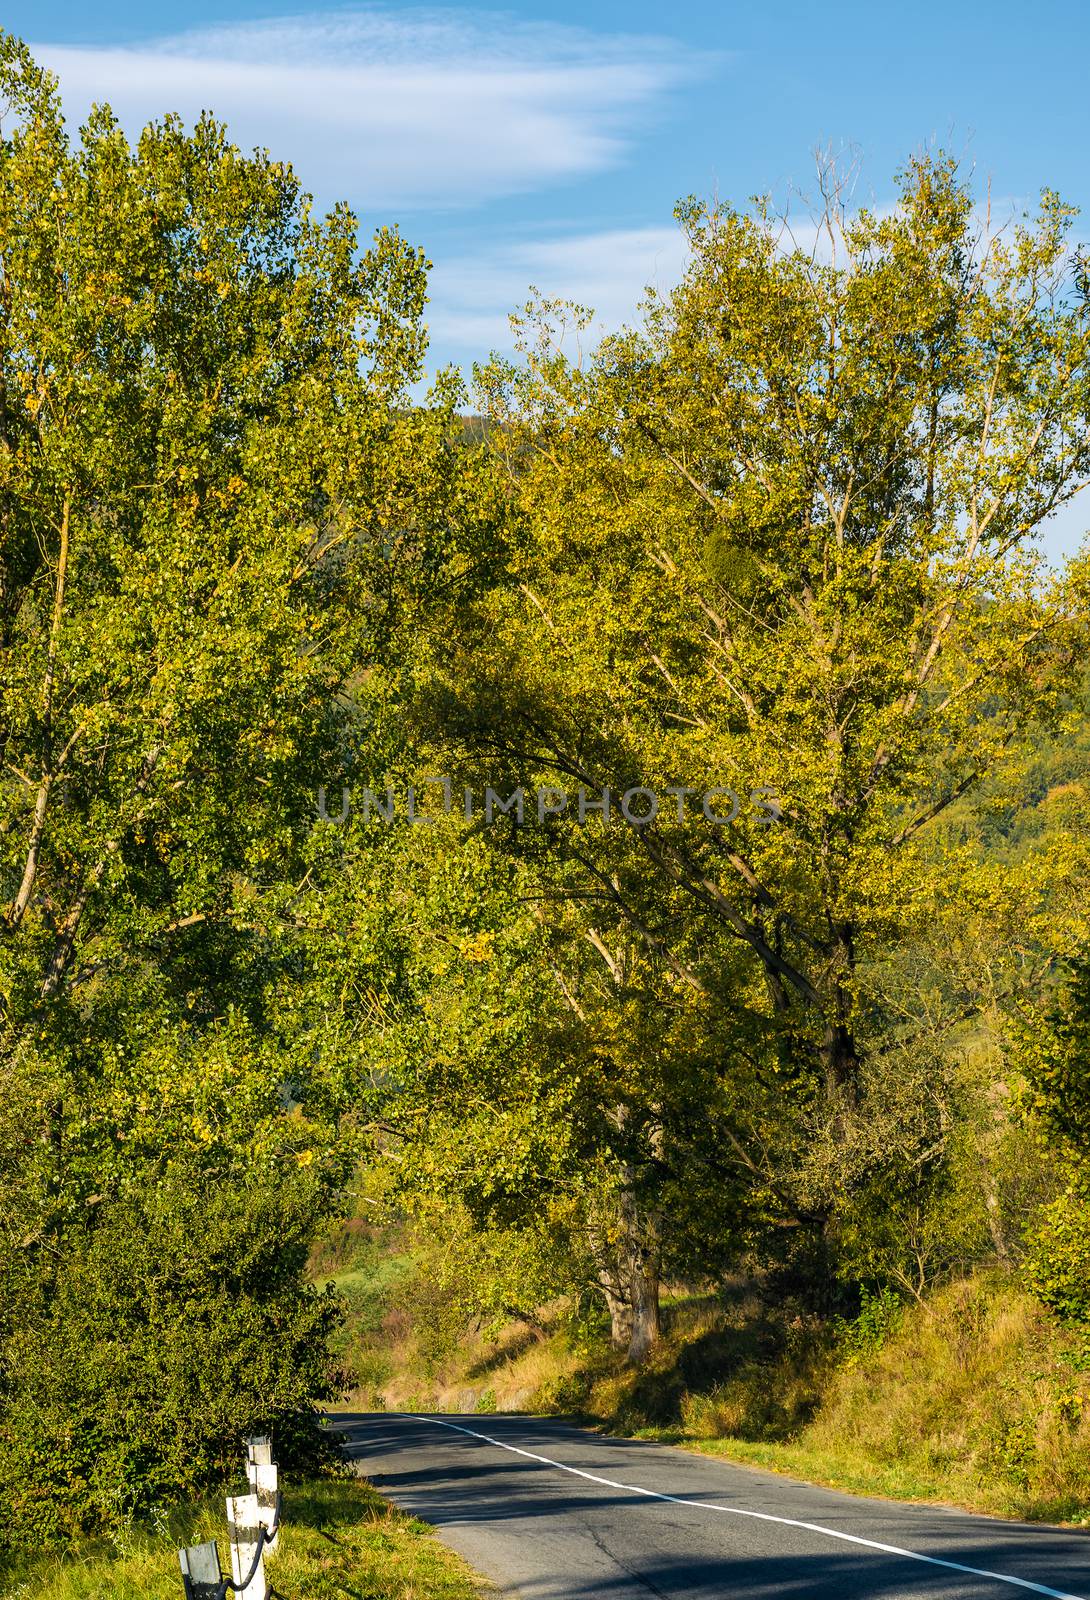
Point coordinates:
pixel 396 109
pixel 607 271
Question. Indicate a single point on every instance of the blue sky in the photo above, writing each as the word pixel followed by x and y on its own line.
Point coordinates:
pixel 547 143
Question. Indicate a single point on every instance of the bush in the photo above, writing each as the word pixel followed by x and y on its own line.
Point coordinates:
pixel 1057 1265
pixel 1053 1051
pixel 143 1346
pixel 880 1313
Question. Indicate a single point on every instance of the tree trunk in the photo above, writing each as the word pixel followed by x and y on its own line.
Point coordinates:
pixel 620 1310
pixel 629 1258
pixel 839 1050
pixel 996 1229
pixel 646 1325
pixel 640 1267
pixel 630 1285
pixel 840 1059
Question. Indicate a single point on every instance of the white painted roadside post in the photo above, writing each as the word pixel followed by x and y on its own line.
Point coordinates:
pixel 265 1483
pixel 247 1547
pixel 253 1523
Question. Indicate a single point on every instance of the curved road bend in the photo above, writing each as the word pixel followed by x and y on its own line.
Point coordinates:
pixel 551 1512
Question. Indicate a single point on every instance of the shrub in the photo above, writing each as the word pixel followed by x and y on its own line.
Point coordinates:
pixel 143 1346
pixel 880 1313
pixel 1057 1265
pixel 1053 1051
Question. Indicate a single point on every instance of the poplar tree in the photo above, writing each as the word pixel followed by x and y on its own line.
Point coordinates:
pixel 211 480
pixel 782 537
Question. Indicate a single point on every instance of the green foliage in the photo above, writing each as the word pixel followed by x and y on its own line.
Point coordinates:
pixel 1053 1050
pixel 880 1313
pixel 1058 1264
pixel 460 1277
pixel 175 1324
pixel 780 534
pixel 208 462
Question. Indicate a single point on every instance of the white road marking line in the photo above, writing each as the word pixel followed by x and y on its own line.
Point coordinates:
pixel 760 1516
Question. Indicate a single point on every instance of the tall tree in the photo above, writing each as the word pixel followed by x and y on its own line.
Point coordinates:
pixel 211 481
pixel 780 538
pixel 519 1076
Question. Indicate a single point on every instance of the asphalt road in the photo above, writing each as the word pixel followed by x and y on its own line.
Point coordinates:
pixel 552 1512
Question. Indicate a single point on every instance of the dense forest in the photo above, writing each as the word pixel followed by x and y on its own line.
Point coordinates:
pixel 624 823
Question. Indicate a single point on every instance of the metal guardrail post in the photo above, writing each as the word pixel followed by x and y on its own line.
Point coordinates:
pixel 202 1578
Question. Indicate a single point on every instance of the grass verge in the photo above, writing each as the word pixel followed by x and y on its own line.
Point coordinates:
pixel 974 1397
pixel 340 1541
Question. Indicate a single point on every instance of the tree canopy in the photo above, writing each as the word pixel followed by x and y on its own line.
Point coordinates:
pixel 739 923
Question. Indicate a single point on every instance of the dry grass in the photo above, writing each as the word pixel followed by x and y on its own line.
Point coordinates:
pixel 978 1393
pixel 506 1373
pixel 975 1397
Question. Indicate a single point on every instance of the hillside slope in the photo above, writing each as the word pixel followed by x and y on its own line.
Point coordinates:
pixel 972 1396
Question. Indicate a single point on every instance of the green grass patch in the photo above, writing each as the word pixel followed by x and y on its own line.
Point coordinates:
pixel 899 1480
pixel 340 1541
